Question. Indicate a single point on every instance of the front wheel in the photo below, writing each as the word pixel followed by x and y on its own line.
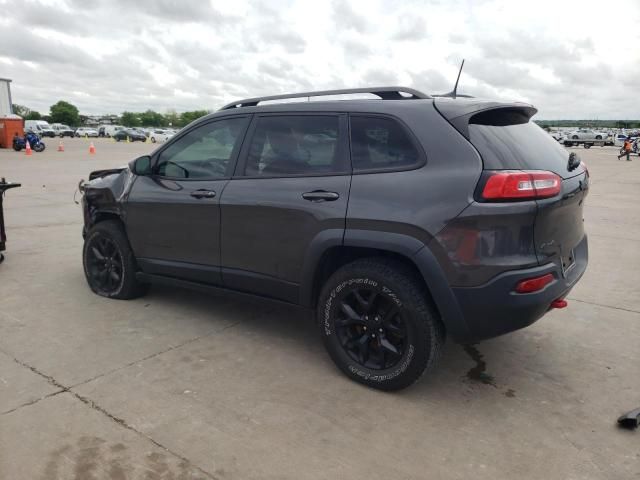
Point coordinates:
pixel 109 265
pixel 378 325
pixel 153 140
pixel 39 147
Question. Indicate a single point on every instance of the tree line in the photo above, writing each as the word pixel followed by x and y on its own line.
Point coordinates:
pixel 68 114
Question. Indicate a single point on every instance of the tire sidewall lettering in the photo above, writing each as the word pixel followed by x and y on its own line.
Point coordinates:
pixel 328 330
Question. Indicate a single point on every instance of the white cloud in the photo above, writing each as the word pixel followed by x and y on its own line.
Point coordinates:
pixel 571 59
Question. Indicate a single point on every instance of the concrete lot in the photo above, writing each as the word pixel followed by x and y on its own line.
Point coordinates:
pixel 180 385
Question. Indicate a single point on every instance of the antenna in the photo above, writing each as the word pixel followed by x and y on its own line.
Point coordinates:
pixel 455 88
pixel 454 93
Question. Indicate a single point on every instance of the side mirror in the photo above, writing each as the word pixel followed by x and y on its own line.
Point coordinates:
pixel 141 166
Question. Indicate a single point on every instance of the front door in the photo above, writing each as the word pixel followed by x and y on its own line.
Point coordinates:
pixel 290 190
pixel 173 215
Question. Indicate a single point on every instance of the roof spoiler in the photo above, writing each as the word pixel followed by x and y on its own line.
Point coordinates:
pixel 459 114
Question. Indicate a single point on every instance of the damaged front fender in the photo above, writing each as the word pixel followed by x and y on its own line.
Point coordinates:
pixel 104 195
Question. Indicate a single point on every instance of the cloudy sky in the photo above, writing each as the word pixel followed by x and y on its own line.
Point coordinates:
pixel 572 59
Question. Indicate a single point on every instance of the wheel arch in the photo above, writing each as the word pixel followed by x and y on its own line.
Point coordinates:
pixel 328 256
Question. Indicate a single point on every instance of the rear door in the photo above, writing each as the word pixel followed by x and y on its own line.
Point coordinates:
pixel 173 215
pixel 508 140
pixel 289 192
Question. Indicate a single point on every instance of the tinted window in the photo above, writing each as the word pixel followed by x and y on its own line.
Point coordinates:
pixel 204 152
pixel 294 145
pixel 508 140
pixel 380 143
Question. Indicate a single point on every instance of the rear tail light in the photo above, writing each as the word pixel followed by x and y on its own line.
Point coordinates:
pixel 535 284
pixel 521 185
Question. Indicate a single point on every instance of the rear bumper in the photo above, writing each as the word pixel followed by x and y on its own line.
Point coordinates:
pixel 494 308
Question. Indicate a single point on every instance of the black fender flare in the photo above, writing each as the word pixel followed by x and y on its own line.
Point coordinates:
pixel 407 246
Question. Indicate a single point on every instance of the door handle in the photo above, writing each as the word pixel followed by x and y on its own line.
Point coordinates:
pixel 320 196
pixel 203 193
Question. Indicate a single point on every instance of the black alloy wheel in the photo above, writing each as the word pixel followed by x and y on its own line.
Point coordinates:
pixel 371 328
pixel 105 265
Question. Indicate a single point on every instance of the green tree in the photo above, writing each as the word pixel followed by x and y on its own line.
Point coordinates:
pixel 26 112
pixel 151 119
pixel 171 118
pixel 64 112
pixel 188 117
pixel 33 115
pixel 130 119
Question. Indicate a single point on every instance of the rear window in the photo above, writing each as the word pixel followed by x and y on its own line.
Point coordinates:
pixel 507 140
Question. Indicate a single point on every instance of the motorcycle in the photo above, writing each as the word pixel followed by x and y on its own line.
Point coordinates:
pixel 34 141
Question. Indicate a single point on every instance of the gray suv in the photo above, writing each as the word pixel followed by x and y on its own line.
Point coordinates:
pixel 396 220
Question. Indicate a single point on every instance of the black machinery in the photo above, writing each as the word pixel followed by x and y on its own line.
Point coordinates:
pixel 4 186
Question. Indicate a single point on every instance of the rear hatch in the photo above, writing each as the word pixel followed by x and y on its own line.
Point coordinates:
pixel 507 139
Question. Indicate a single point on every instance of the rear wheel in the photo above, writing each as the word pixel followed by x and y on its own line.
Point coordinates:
pixel 378 324
pixel 109 264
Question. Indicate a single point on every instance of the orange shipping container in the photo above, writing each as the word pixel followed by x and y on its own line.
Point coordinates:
pixel 8 128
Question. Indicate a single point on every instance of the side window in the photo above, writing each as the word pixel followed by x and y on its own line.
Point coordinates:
pixel 378 143
pixel 294 145
pixel 204 152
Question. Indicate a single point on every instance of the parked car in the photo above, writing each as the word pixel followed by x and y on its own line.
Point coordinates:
pixel 110 130
pixel 62 130
pixel 129 134
pixel 557 136
pixel 396 221
pixel 586 135
pixel 159 135
pixel 40 128
pixel 86 132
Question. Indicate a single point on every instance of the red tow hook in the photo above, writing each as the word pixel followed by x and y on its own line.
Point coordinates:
pixel 559 303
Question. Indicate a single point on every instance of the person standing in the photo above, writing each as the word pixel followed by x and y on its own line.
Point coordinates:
pixel 626 149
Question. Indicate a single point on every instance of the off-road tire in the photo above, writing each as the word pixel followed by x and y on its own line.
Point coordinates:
pixel 425 332
pixel 128 287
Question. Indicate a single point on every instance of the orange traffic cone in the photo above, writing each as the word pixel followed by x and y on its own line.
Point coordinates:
pixel 61 146
pixel 27 150
pixel 92 149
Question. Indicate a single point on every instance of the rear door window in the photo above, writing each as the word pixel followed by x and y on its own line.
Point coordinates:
pixel 379 143
pixel 507 140
pixel 284 145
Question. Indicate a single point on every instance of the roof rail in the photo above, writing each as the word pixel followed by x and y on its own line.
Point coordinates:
pixel 385 93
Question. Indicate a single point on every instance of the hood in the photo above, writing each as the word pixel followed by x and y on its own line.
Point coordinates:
pixel 104 173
